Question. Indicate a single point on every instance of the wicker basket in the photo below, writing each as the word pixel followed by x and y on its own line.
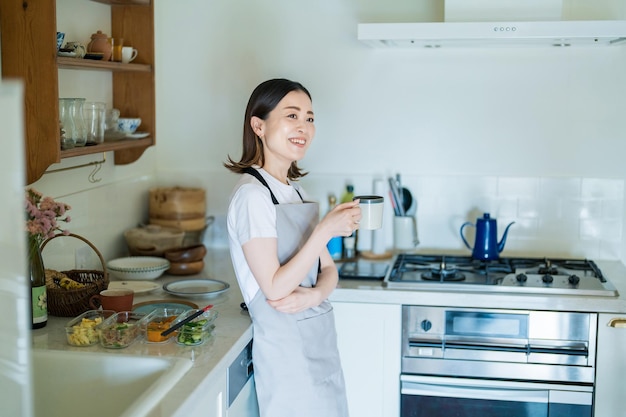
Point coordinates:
pixel 71 303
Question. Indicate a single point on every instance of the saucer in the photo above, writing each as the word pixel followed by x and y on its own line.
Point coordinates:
pixel 67 54
pixel 137 135
pixel 94 55
pixel 113 135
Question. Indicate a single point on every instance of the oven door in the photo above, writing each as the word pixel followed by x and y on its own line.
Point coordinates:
pixel 423 396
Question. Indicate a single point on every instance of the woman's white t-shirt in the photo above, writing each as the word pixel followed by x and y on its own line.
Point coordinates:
pixel 251 214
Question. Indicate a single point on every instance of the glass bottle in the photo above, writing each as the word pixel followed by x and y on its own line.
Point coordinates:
pixel 334 245
pixel 39 297
pixel 80 130
pixel 66 123
pixel 349 242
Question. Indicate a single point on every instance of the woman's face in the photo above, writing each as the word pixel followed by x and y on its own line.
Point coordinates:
pixel 288 130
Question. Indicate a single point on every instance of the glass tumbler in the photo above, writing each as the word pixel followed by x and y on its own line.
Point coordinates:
pixel 80 132
pixel 66 123
pixel 94 113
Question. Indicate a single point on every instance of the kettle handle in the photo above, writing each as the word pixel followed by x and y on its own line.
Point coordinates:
pixel 463 237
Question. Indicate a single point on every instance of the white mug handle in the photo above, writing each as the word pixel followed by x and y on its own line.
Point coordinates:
pixel 134 55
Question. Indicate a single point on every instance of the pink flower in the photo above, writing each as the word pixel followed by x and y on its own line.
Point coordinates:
pixel 43 215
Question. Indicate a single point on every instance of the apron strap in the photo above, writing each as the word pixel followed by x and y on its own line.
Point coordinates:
pixel 255 174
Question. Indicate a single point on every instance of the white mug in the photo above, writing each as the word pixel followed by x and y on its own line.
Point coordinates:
pixel 371 211
pixel 128 54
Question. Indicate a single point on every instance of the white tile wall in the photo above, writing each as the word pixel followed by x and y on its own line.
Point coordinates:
pixel 573 217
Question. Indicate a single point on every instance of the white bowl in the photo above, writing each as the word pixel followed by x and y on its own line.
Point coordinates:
pixel 138 267
pixel 128 125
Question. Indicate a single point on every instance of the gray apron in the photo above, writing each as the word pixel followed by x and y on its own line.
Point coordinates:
pixel 296 361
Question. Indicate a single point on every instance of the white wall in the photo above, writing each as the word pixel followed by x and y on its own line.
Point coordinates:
pixel 534 136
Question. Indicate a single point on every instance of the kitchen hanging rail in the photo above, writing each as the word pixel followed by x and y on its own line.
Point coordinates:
pixel 92 176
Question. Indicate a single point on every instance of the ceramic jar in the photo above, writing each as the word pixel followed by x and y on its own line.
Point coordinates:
pixel 100 43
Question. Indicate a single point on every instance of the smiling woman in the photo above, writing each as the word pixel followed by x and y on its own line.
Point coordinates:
pixel 281 261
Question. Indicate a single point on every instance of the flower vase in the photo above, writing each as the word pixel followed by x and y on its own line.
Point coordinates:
pixel 39 298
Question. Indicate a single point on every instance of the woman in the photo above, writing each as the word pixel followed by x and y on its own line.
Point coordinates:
pixel 278 250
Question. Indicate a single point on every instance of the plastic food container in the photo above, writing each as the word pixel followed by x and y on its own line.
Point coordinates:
pixel 196 331
pixel 83 331
pixel 120 330
pixel 157 322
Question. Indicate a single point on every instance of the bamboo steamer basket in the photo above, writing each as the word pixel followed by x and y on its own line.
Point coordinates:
pixel 178 207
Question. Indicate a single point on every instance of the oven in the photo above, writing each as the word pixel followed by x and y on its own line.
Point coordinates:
pixel 493 362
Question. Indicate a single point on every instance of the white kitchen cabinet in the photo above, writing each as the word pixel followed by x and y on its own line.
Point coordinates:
pixel 208 400
pixel 368 336
pixel 610 395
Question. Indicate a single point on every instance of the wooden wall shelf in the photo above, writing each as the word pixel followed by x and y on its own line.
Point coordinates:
pixel 28 48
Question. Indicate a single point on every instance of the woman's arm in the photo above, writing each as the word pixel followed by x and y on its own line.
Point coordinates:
pixel 276 281
pixel 302 298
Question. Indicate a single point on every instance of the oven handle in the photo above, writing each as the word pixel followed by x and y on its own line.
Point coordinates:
pixel 477 392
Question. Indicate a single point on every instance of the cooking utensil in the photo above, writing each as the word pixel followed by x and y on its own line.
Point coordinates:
pixel 187 320
pixel 486 245
pixel 396 197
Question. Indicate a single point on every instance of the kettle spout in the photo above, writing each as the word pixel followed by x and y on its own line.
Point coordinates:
pixel 503 240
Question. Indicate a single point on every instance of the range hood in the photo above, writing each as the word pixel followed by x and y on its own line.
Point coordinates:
pixel 561 33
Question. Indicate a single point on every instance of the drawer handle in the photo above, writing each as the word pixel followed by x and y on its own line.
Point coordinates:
pixel 617 322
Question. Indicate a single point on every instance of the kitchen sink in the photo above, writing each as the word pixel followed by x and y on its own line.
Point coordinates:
pixel 78 384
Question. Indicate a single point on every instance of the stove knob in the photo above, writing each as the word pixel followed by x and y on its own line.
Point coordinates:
pixel 573 279
pixel 426 325
pixel 521 278
pixel 547 279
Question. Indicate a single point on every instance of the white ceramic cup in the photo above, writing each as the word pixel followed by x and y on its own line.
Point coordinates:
pixel 371 211
pixel 128 54
pixel 405 233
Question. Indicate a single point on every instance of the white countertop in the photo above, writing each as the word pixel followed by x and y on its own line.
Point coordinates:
pixel 232 333
pixel 233 327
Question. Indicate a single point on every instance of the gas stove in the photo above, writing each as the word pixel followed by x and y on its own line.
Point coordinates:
pixel 507 275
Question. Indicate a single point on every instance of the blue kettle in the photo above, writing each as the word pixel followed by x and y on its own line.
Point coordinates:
pixel 486 245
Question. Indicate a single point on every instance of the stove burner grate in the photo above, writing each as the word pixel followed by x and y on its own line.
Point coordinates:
pixel 448 274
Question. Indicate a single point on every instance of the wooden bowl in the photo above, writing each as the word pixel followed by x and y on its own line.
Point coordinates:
pixel 191 253
pixel 185 268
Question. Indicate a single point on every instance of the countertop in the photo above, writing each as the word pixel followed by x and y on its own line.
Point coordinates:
pixel 371 291
pixel 233 326
pixel 231 334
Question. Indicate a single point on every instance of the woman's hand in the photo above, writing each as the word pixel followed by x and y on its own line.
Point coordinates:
pixel 300 299
pixel 342 220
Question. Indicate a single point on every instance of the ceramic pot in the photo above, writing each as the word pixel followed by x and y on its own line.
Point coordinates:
pixel 100 43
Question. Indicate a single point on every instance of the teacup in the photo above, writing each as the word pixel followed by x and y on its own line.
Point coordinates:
pixel 128 54
pixel 77 47
pixel 128 125
pixel 60 38
pixel 116 300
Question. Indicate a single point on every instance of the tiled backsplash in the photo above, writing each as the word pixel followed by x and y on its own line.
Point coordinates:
pixel 572 217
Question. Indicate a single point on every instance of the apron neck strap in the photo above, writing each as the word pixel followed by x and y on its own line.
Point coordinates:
pixel 258 176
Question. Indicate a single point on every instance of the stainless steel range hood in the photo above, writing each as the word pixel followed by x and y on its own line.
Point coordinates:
pixel 487 34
